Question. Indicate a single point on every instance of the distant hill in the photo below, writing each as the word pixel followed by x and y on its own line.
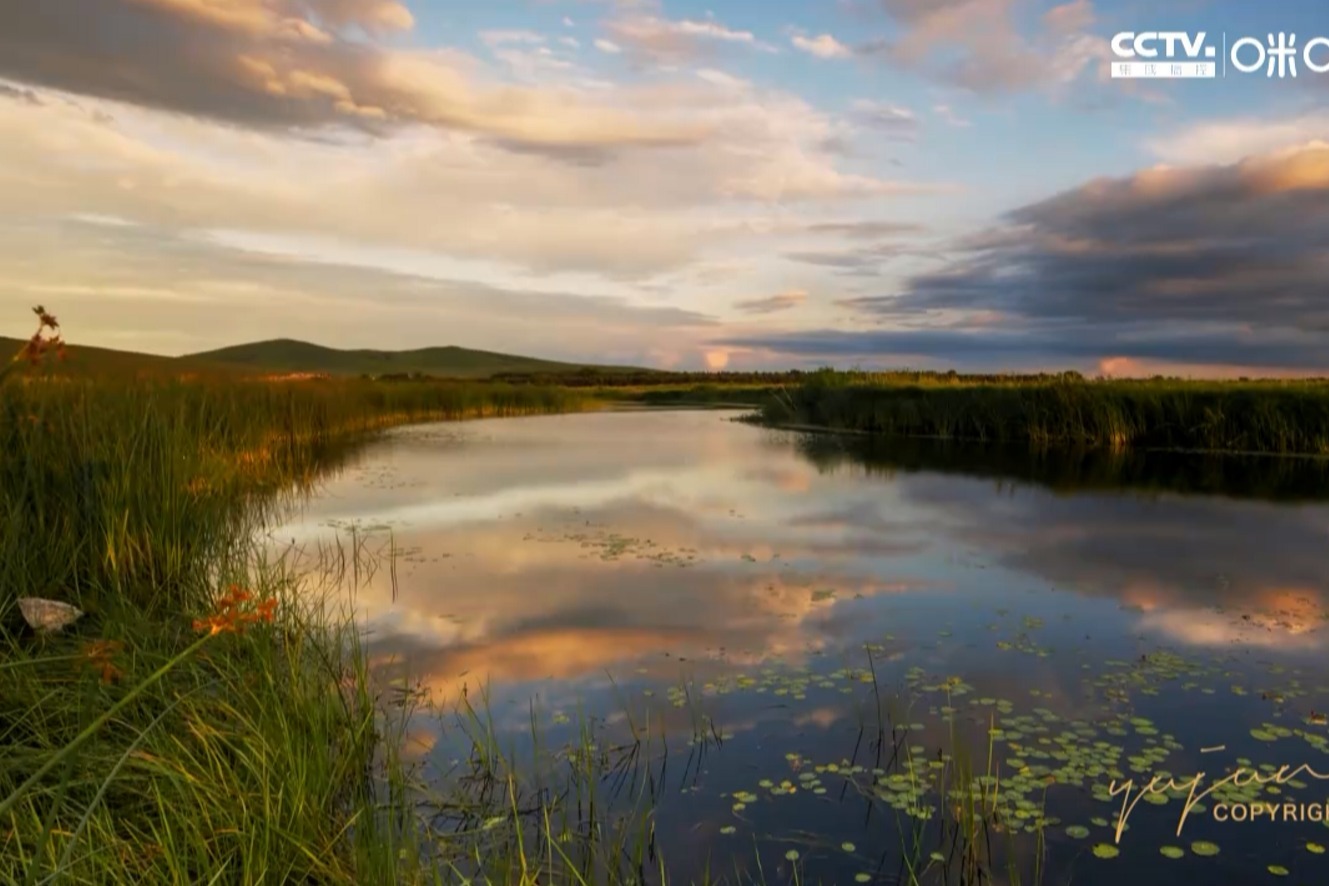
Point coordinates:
pixel 86 360
pixel 287 356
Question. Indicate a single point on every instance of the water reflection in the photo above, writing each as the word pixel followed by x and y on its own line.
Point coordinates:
pixel 602 561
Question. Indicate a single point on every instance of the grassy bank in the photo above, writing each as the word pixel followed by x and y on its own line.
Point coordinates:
pixel 203 721
pixel 683 395
pixel 1269 417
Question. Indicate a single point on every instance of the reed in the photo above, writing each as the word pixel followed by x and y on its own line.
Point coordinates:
pixel 1264 417
pixel 181 732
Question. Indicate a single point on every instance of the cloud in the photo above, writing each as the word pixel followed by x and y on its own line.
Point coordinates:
pixel 858 258
pixel 822 46
pixel 617 214
pixel 976 44
pixel 666 40
pixel 502 38
pixel 1069 18
pixel 292 65
pixel 896 122
pixel 866 229
pixel 1198 265
pixel 322 131
pixel 947 113
pixel 195 294
pixel 772 304
pixel 608 46
pixel 1229 140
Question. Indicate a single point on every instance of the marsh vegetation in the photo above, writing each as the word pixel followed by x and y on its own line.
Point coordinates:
pixel 654 647
pixel 1240 416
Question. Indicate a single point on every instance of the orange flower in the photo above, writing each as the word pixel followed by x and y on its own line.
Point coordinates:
pixel 232 617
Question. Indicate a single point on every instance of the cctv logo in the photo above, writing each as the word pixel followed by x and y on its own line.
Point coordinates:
pixel 1183 54
pixel 1142 45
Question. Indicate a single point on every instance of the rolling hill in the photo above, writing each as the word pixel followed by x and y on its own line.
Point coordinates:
pixel 287 355
pixel 87 360
pixel 290 356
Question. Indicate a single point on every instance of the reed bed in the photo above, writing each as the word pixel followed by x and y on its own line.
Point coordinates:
pixel 124 493
pixel 1250 417
pixel 208 718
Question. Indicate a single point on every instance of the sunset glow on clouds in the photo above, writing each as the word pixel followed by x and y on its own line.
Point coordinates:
pixel 873 182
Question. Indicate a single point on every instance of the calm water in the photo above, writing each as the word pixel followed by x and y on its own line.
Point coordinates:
pixel 774 606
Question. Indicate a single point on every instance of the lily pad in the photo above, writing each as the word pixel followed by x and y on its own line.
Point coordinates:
pixel 1203 847
pixel 1171 851
pixel 1077 831
pixel 1106 850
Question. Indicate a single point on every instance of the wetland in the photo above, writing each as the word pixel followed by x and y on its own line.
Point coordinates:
pixel 669 645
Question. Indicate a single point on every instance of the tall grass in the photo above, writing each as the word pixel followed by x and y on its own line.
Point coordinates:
pixel 124 493
pixel 1266 417
pixel 134 748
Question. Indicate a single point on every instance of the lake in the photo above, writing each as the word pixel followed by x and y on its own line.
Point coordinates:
pixel 840 661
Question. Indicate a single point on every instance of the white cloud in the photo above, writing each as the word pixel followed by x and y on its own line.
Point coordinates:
pixel 513 170
pixel 501 38
pixel 673 40
pixel 895 120
pixel 1229 140
pixel 947 113
pixel 977 44
pixel 822 46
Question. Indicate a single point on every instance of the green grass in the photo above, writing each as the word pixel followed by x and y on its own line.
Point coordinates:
pixel 134 749
pixel 1253 416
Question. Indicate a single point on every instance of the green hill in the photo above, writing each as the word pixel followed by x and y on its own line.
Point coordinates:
pixel 86 360
pixel 290 356
pixel 287 355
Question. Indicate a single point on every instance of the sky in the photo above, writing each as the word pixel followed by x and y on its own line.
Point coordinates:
pixel 689 184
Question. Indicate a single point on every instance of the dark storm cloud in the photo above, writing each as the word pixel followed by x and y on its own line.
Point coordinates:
pixel 164 55
pixel 1211 265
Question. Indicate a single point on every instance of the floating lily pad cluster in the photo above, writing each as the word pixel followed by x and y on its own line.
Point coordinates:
pixel 611 546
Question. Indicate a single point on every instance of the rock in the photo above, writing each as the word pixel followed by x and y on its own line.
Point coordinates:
pixel 48 615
